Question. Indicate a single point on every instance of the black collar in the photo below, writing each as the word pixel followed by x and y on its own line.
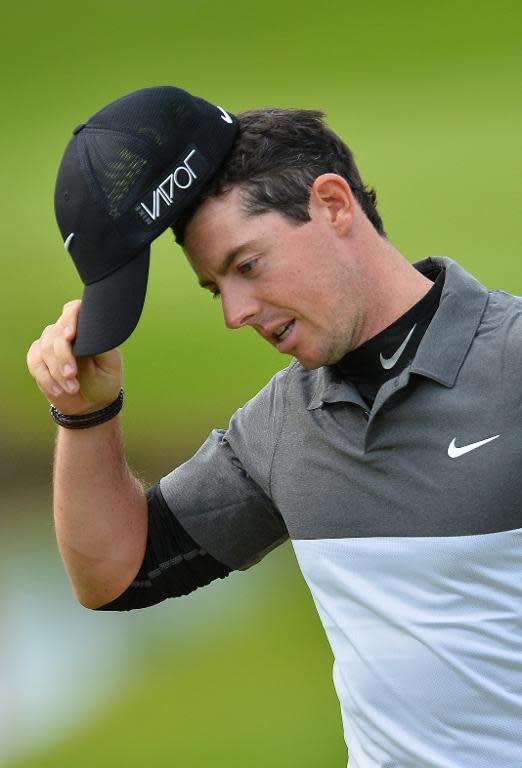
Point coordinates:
pixel 385 355
pixel 443 347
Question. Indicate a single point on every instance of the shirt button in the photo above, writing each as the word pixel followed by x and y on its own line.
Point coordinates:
pixel 366 415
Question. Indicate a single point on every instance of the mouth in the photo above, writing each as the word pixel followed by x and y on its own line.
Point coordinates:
pixel 281 335
pixel 283 331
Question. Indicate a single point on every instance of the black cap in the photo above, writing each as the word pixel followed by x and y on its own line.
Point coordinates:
pixel 126 176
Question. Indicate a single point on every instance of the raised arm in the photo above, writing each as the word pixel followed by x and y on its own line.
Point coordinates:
pixel 100 508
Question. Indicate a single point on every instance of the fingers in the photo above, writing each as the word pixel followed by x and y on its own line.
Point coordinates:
pixel 65 364
pixel 50 360
pixel 57 355
pixel 68 320
pixel 39 370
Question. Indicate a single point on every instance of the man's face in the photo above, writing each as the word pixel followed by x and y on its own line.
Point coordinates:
pixel 291 282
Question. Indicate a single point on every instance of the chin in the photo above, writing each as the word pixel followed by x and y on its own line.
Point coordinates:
pixel 311 363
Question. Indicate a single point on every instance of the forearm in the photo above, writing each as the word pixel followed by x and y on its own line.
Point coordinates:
pixel 100 512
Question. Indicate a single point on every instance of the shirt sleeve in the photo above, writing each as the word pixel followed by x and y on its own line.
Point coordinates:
pixel 173 564
pixel 222 495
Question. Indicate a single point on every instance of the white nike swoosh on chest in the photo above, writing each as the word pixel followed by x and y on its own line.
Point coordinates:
pixel 454 451
pixel 389 362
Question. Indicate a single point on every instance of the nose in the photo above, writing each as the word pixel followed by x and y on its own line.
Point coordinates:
pixel 239 308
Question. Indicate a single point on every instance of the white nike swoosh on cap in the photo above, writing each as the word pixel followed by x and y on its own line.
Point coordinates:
pixel 454 451
pixel 68 242
pixel 225 116
pixel 389 362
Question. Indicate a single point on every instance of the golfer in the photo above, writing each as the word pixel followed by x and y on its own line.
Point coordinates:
pixel 389 450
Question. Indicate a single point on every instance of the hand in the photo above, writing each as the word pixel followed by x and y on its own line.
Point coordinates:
pixel 73 385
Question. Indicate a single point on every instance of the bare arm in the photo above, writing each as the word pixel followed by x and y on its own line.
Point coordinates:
pixel 100 509
pixel 100 513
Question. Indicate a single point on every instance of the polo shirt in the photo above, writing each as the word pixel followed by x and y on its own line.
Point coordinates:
pixel 406 521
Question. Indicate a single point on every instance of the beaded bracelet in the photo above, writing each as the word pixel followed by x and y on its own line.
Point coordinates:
pixel 84 420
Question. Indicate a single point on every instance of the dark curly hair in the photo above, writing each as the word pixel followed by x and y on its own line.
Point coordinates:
pixel 276 158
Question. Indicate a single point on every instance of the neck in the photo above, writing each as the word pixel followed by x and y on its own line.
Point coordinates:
pixel 392 287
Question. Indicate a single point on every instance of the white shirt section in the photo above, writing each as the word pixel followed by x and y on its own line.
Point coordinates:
pixel 427 639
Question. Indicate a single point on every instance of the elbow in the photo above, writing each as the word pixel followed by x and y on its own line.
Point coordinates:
pixel 92 602
pixel 94 599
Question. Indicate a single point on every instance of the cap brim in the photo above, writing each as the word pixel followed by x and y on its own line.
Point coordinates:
pixel 111 307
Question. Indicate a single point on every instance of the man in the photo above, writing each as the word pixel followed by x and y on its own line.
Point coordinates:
pixel 388 450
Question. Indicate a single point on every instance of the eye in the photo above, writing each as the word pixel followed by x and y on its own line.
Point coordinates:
pixel 247 266
pixel 216 294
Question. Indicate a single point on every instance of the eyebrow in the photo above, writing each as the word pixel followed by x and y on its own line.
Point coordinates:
pixel 228 261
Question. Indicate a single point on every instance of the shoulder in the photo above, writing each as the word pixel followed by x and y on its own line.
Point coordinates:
pixel 255 429
pixel 505 301
pixel 503 316
pixel 292 388
pixel 267 406
pixel 499 340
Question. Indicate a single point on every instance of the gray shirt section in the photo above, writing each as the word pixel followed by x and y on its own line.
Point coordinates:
pixel 302 459
pixel 226 508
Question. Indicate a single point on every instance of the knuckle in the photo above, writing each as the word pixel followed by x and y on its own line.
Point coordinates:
pixel 32 355
pixel 71 305
pixel 47 331
pixel 47 337
pixel 33 349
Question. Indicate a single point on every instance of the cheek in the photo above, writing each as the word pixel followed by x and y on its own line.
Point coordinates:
pixel 304 279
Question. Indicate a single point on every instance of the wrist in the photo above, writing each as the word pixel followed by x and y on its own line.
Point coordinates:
pixel 94 407
pixel 90 419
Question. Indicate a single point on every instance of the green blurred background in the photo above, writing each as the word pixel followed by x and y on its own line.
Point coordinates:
pixel 428 96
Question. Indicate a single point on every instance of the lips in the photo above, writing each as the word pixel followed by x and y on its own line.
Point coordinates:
pixel 282 331
pixel 286 341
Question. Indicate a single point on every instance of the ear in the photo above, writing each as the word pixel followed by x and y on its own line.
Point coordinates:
pixel 332 199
